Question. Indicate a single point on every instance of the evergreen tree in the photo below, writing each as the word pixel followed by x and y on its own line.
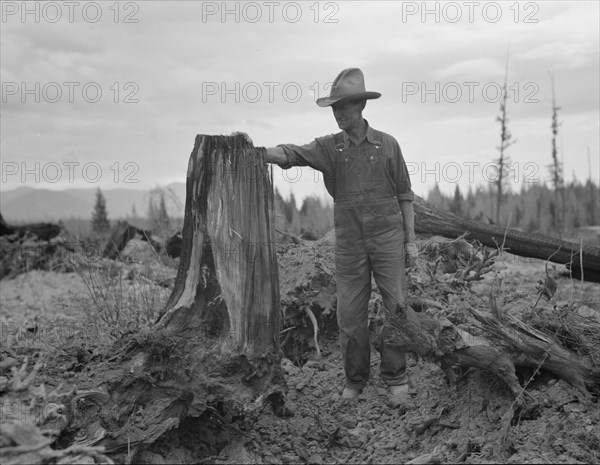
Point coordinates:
pixel 471 203
pixel 162 219
pixel 151 215
pixel 592 203
pixel 290 211
pixel 100 223
pixel 158 217
pixel 315 218
pixel 435 196
pixel 456 206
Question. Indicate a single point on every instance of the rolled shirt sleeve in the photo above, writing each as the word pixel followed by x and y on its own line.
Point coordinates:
pixel 400 176
pixel 311 154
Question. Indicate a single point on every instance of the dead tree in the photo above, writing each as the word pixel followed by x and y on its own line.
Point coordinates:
pixel 215 346
pixel 503 160
pixel 432 220
pixel 556 171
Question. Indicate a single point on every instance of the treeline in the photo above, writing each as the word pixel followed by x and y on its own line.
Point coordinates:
pixel 536 208
pixel 156 218
pixel 313 220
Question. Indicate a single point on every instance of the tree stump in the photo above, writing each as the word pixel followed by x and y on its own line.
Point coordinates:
pixel 228 233
pixel 213 353
pixel 121 234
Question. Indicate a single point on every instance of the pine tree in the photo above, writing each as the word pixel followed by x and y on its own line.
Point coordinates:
pixel 435 196
pixel 100 223
pixel 151 215
pixel 471 203
pixel 290 211
pixel 456 205
pixel 162 216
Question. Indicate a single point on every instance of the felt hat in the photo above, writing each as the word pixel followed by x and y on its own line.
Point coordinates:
pixel 348 85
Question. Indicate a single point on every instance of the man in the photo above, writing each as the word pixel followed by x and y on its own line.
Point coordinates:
pixel 366 175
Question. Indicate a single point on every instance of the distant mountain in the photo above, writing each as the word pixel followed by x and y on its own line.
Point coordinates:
pixel 28 204
pixel 7 196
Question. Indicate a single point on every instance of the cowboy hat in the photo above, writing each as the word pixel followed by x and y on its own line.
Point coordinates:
pixel 349 85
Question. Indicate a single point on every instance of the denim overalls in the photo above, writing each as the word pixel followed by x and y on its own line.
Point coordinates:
pixel 369 239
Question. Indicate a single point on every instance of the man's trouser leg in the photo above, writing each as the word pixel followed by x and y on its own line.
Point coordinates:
pixel 386 253
pixel 353 274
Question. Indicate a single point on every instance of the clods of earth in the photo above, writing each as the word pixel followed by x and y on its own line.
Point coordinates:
pixel 440 423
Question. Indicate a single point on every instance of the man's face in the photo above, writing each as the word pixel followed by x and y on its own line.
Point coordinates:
pixel 348 114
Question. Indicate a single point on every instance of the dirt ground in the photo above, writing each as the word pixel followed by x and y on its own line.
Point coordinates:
pixel 52 314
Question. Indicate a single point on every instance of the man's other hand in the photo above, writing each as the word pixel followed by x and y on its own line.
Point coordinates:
pixel 411 253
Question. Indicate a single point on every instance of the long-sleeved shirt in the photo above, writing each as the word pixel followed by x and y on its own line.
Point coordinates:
pixel 322 155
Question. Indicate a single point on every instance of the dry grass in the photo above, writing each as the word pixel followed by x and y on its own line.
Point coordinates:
pixel 125 297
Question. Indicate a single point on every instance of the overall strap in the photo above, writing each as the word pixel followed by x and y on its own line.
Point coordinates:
pixel 338 141
pixel 378 135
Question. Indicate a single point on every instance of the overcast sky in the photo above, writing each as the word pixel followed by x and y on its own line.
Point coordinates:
pixel 112 94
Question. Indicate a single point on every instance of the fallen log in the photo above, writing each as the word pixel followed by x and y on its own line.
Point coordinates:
pixel 42 231
pixel 33 246
pixel 432 220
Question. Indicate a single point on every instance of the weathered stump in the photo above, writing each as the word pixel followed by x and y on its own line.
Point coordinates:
pixel 120 235
pixel 228 270
pixel 213 353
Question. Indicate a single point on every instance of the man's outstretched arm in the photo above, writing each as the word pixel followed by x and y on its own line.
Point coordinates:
pixel 276 155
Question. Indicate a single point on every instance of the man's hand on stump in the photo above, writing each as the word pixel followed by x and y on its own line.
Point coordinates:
pixel 240 133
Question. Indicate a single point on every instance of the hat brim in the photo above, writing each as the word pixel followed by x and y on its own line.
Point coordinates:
pixel 328 101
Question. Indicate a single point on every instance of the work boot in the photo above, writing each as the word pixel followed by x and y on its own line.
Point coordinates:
pixel 399 396
pixel 350 393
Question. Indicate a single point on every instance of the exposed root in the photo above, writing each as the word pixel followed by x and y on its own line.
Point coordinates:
pixel 313 320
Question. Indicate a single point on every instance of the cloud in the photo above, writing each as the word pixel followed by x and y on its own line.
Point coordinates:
pixel 560 54
pixel 466 69
pixel 171 52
